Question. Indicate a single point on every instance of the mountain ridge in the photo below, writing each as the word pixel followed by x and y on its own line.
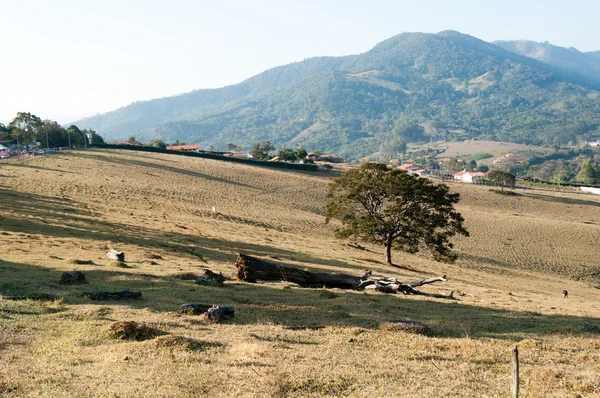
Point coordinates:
pixel 451 85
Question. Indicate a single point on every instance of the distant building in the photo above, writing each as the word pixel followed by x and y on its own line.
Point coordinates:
pixel 470 177
pixel 593 143
pixel 239 155
pixel 187 148
pixel 129 143
pixel 410 167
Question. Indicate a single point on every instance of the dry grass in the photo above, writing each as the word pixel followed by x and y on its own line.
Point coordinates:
pixel 284 340
pixel 470 147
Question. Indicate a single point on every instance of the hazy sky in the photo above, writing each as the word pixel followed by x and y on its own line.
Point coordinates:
pixel 62 59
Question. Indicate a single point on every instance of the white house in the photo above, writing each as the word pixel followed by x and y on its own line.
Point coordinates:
pixel 469 176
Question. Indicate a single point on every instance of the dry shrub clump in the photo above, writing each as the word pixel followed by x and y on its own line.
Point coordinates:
pixel 184 276
pixel 408 327
pixel 181 342
pixel 329 385
pixel 130 330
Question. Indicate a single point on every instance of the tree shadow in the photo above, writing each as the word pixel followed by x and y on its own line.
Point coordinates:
pixel 100 157
pixel 560 199
pixel 279 304
pixel 27 165
pixel 64 218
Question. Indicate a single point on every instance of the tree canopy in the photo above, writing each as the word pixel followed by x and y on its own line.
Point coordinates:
pixel 261 150
pixel 158 144
pixel 25 127
pixel 395 209
pixel 502 179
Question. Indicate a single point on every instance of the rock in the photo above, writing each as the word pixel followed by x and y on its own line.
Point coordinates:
pixel 116 255
pixel 210 313
pixel 211 278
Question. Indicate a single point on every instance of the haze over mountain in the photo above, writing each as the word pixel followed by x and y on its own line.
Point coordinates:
pixel 584 63
pixel 411 87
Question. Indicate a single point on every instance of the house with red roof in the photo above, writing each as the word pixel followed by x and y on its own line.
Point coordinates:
pixel 469 176
pixel 188 148
pixel 129 143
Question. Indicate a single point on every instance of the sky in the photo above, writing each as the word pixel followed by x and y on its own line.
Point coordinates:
pixel 65 59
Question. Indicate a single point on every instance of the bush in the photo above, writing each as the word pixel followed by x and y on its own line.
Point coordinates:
pixel 481 156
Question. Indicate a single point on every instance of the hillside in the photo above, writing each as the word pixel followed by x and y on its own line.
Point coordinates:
pixel 570 59
pixel 452 85
pixel 60 210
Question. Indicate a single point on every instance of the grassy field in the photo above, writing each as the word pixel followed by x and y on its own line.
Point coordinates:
pixel 470 147
pixel 60 210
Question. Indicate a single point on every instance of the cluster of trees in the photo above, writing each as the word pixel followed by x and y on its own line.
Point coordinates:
pixel 456 164
pixel 262 151
pixel 26 129
pixel 290 155
pixel 589 172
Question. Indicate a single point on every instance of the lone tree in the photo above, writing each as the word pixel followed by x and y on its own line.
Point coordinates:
pixel 395 209
pixel 502 179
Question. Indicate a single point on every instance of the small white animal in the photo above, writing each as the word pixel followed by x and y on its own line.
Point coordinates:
pixel 214 210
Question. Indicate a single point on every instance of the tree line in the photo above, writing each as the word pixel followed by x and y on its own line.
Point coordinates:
pixel 27 129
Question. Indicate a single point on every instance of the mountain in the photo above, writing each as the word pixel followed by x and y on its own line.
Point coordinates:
pixel 411 87
pixel 586 64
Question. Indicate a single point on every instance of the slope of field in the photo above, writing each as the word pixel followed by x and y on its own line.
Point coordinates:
pixel 157 209
pixel 470 147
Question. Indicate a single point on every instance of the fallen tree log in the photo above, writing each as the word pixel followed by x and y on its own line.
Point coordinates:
pixel 252 269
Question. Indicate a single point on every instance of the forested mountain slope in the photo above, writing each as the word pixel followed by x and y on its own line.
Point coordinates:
pixel 412 87
pixel 586 64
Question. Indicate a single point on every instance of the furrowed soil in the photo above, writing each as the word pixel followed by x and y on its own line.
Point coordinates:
pixel 62 212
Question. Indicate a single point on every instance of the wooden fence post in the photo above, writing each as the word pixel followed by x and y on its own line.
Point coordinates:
pixel 514 382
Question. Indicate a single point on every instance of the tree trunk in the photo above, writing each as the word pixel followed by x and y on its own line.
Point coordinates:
pixel 252 269
pixel 388 250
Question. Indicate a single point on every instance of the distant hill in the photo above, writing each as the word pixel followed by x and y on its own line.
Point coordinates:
pixel 586 64
pixel 411 87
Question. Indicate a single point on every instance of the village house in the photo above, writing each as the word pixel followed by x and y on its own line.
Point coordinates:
pixel 186 148
pixel 410 167
pixel 328 157
pixel 124 142
pixel 593 143
pixel 470 177
pixel 240 155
